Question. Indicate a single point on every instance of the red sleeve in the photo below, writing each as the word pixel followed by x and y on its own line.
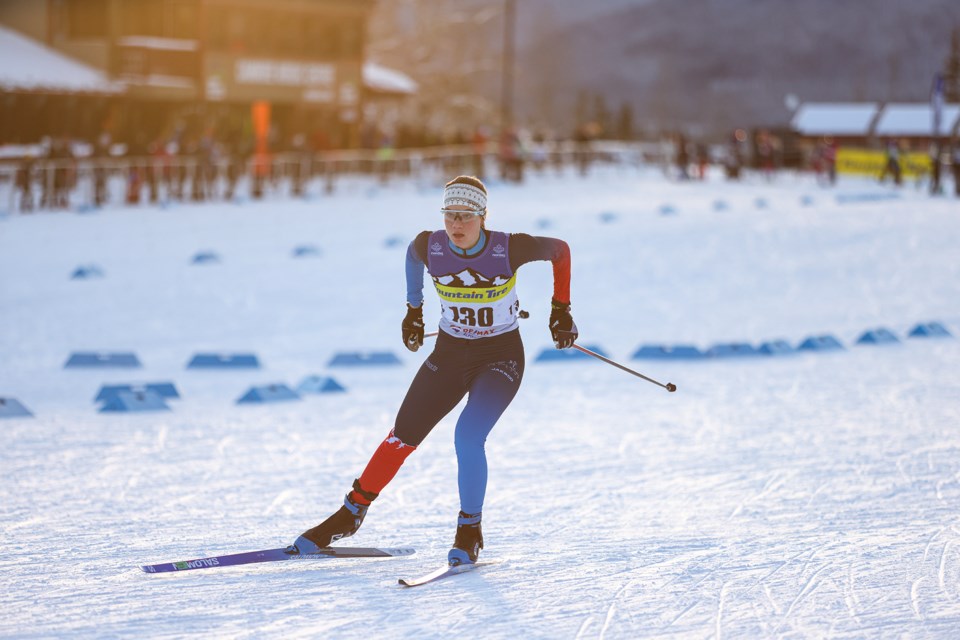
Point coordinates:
pixel 526 248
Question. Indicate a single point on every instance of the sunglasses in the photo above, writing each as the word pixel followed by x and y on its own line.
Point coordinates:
pixel 457 215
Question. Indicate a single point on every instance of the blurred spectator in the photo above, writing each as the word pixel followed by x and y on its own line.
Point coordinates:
pixel 479 145
pixel 57 191
pixel 683 158
pixel 153 169
pixel 702 160
pixel 385 153
pixel 583 138
pixel 175 173
pixel 101 156
pixel 824 162
pixel 955 164
pixel 828 153
pixel 136 154
pixel 234 166
pixel 733 159
pixel 195 155
pixel 892 164
pixel 511 156
pixel 935 169
pixel 765 154
pixel 298 163
pixel 538 151
pixel 24 183
pixel 209 159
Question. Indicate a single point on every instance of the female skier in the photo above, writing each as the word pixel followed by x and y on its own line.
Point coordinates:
pixel 478 353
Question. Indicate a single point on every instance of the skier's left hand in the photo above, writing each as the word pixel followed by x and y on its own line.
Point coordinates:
pixel 562 327
pixel 412 328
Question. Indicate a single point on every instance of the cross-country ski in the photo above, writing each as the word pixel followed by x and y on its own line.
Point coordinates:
pixel 442 572
pixel 276 555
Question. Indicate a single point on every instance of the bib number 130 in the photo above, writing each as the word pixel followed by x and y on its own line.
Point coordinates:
pixel 472 316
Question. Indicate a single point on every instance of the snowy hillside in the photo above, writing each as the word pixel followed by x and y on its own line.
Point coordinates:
pixel 807 495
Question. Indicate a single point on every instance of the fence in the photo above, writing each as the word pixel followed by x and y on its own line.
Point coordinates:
pixel 86 183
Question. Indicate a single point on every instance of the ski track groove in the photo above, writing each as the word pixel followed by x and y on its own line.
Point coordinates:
pixel 811 584
pixel 718 627
pixel 942 569
pixel 684 612
pixel 851 599
pixel 915 597
pixel 611 609
pixel 582 630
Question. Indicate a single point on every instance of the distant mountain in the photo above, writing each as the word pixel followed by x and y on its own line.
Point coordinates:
pixel 562 13
pixel 722 63
pixel 699 64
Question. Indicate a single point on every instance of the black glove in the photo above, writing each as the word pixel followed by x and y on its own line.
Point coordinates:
pixel 562 327
pixel 413 328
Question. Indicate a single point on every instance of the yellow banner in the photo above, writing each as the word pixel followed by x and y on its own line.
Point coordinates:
pixel 475 295
pixel 870 162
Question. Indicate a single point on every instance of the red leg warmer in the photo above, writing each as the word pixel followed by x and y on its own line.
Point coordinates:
pixel 383 466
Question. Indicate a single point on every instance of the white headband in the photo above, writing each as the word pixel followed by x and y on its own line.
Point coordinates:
pixel 465 194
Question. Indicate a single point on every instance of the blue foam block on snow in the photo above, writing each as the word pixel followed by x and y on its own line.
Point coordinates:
pixel 666 210
pixel 162 389
pixel 86 271
pixel 847 198
pixel 131 401
pixel 668 352
pixel 878 336
pixel 102 360
pixel 731 350
pixel 551 354
pixel 224 361
pixel 394 241
pixel 205 257
pixel 320 384
pixel 776 348
pixel 544 223
pixel 268 393
pixel 364 359
pixel 820 343
pixel 607 217
pixel 306 251
pixel 720 205
pixel 13 408
pixel 929 330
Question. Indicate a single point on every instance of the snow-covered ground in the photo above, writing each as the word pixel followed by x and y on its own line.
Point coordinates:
pixel 811 495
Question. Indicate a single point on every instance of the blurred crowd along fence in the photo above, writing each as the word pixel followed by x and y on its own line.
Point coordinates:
pixel 86 184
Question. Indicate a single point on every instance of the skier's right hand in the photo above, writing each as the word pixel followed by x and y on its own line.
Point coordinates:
pixel 413 328
pixel 562 327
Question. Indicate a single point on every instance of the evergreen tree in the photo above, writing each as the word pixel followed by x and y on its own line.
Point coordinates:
pixel 951 76
pixel 583 112
pixel 601 115
pixel 625 122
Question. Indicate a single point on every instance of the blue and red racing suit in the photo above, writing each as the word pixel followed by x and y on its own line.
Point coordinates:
pixel 478 352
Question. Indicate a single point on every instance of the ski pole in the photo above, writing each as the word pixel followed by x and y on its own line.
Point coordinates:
pixel 669 386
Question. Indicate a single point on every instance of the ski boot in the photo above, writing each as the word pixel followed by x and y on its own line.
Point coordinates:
pixel 469 540
pixel 342 524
